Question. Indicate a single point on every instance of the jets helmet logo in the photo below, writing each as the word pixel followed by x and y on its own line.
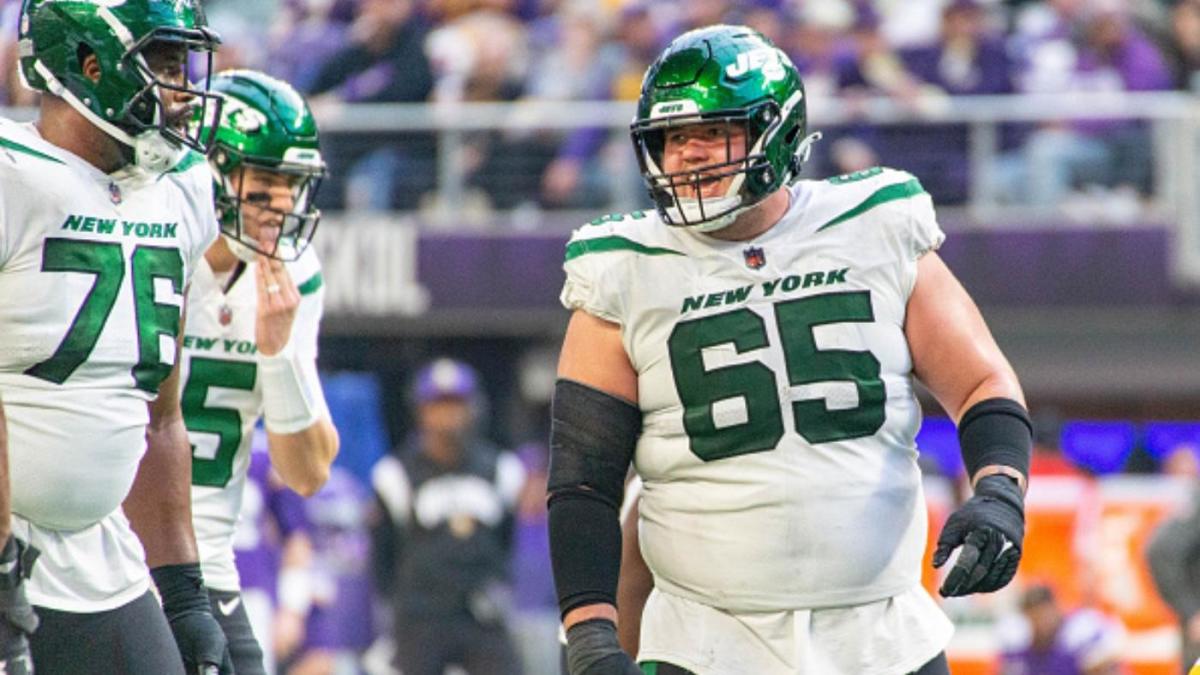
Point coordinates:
pixel 765 59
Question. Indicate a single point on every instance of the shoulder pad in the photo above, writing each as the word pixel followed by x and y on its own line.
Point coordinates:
pixel 856 193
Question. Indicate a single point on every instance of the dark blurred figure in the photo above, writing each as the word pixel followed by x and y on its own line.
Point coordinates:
pixel 1093 48
pixel 1052 641
pixel 967 59
pixel 577 177
pixel 442 546
pixel 1174 554
pixel 1184 45
pixel 383 62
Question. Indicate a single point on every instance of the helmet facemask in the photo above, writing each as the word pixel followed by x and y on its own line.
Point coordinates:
pixel 239 198
pixel 679 194
pixel 154 127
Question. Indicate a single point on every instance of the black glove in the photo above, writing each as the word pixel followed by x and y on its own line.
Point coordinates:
pixel 990 527
pixel 198 635
pixel 593 649
pixel 16 563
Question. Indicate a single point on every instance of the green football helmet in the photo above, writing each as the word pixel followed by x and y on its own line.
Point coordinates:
pixel 126 102
pixel 265 124
pixel 729 74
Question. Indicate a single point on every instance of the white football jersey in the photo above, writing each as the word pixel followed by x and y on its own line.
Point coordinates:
pixel 93 268
pixel 222 396
pixel 775 383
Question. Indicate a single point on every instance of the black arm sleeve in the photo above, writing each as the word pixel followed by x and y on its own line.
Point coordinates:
pixel 996 431
pixel 592 439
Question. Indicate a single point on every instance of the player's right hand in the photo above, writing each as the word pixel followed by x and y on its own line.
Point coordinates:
pixel 16 563
pixel 593 649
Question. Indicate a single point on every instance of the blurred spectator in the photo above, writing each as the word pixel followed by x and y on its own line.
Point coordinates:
pixel 483 56
pixel 272 547
pixel 1185 44
pixel 442 546
pixel 1049 640
pixel 577 176
pixel 535 619
pixel 12 92
pixel 1089 47
pixel 966 59
pixel 1174 556
pixel 872 67
pixel 383 62
pixel 339 628
pixel 303 38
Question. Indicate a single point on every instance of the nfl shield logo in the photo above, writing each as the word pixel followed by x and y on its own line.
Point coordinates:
pixel 114 193
pixel 755 257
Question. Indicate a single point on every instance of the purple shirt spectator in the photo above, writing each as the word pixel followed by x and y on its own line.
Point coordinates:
pixel 270 512
pixel 341 614
pixel 1084 639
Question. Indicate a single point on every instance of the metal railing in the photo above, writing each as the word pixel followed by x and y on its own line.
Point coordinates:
pixel 1173 119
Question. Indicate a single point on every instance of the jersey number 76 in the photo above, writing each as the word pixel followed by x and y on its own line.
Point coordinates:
pixel 106 261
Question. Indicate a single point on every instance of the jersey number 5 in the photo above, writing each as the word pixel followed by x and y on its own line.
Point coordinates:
pixel 701 390
pixel 106 261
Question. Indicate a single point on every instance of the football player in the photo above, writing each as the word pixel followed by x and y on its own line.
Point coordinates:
pixel 106 210
pixel 250 350
pixel 750 347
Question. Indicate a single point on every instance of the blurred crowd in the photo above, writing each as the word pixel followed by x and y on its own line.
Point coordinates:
pixel 913 51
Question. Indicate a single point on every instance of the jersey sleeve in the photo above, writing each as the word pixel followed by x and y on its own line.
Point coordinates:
pixel 306 273
pixel 926 234
pixel 591 266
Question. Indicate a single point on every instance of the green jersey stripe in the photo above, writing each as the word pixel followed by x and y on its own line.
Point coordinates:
pixel 603 244
pixel 314 282
pixel 881 196
pixel 13 145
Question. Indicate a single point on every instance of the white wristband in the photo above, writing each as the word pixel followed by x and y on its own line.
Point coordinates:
pixel 289 404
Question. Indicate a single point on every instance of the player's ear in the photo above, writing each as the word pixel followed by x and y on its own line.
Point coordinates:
pixel 89 65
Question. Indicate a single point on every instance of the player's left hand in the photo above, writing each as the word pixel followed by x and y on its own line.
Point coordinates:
pixel 185 601
pixel 278 299
pixel 990 527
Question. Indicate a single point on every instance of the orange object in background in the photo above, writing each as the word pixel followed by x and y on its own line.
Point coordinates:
pixel 1131 508
pixel 1087 538
pixel 1060 512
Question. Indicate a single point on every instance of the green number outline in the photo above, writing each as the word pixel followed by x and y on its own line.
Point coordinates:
pixel 154 319
pixel 225 423
pixel 106 261
pixel 806 364
pixel 700 389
